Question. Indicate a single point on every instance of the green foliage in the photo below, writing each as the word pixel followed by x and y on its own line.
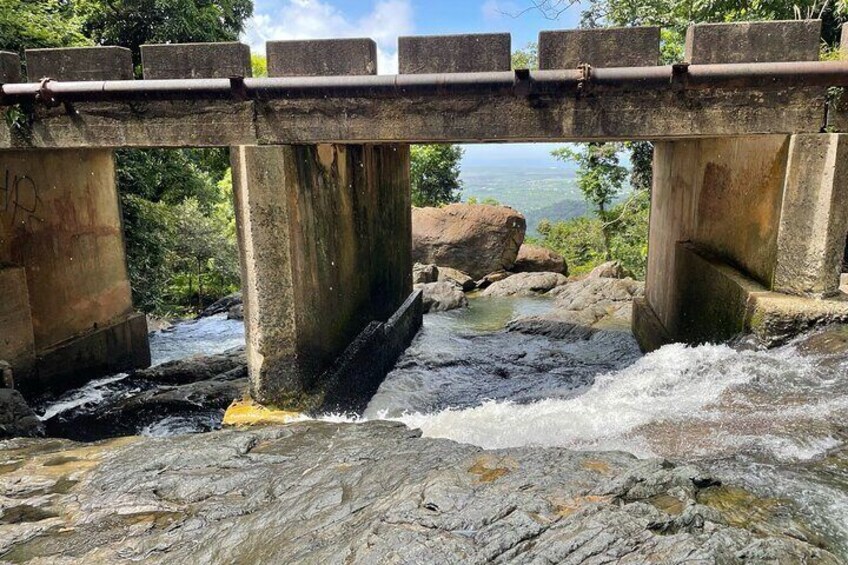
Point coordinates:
pixel 434 174
pixel 39 23
pixel 259 64
pixel 488 201
pixel 527 58
pixel 131 23
pixel 600 178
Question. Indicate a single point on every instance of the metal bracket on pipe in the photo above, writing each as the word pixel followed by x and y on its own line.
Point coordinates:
pixel 679 75
pixel 523 82
pixel 585 82
pixel 45 95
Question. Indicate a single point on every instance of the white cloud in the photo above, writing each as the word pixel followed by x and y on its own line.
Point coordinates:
pixel 319 19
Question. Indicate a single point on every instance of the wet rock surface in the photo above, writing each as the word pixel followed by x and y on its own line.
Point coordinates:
pixel 442 296
pixel 196 390
pixel 377 492
pixel 16 417
pixel 221 306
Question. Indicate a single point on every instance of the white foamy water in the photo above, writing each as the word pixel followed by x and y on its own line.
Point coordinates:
pixel 205 336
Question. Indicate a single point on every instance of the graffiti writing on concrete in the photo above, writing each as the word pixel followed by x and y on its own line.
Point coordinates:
pixel 19 198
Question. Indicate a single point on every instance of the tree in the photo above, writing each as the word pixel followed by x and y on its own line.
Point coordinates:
pixel 527 58
pixel 434 174
pixel 600 178
pixel 39 23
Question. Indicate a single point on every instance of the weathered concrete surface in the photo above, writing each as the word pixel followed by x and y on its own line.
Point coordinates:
pixel 17 344
pixel 80 63
pixel 724 194
pixel 475 239
pixel 381 494
pixel 480 52
pixel 753 42
pixel 60 221
pixel 814 217
pixel 196 60
pixel 325 234
pixel 608 47
pixel 322 57
pixel 10 67
pixel 638 114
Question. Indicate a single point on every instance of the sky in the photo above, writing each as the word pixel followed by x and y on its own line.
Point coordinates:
pixel 385 20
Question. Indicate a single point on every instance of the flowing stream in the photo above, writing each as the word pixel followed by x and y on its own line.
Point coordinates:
pixel 772 421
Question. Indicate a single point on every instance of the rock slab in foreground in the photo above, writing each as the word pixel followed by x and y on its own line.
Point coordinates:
pixel 475 239
pixel 319 492
pixel 525 284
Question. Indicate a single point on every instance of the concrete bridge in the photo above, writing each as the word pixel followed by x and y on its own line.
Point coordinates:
pixel 748 217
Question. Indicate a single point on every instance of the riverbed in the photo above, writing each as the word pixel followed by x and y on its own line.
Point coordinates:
pixel 772 421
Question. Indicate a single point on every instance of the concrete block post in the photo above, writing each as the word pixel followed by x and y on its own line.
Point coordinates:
pixel 325 235
pixel 62 251
pixel 196 60
pixel 608 47
pixel 483 52
pixel 10 67
pixel 721 197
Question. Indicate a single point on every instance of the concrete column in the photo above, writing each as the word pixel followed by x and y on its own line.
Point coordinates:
pixel 718 202
pixel 66 311
pixel 814 217
pixel 325 235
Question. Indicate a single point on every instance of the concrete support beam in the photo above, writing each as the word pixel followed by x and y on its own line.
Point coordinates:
pixel 325 237
pixel 80 63
pixel 196 60
pixel 322 57
pixel 10 67
pixel 753 42
pixel 814 217
pixel 607 47
pixel 483 52
pixel 17 344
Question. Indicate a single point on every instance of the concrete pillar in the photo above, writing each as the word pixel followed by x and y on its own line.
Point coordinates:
pixel 482 52
pixel 719 203
pixel 66 312
pixel 814 218
pixel 325 235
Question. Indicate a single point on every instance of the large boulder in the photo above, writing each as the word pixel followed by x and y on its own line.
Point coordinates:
pixel 222 305
pixel 476 239
pixel 442 296
pixel 536 259
pixel 525 284
pixel 16 417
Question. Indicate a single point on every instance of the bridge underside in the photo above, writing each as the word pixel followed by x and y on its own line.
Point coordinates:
pixel 748 219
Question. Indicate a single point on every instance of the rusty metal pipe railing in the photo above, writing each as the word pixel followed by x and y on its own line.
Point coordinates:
pixel 523 83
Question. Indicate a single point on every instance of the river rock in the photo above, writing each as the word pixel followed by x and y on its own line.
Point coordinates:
pixel 537 259
pixel 476 239
pixel 236 312
pixel 16 417
pixel 376 492
pixel 442 296
pixel 222 305
pixel 609 270
pixel 422 274
pixel 185 389
pixel 449 274
pixel 525 284
pixel 493 278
